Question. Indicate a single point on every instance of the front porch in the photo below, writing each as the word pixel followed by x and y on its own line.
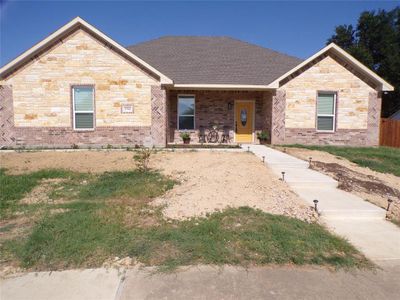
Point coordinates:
pixel 236 115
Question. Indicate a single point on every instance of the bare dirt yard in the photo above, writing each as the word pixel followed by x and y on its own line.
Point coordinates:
pixel 370 185
pixel 212 181
pixel 208 180
pixel 78 161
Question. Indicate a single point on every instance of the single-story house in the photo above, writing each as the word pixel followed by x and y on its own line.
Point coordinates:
pixel 78 86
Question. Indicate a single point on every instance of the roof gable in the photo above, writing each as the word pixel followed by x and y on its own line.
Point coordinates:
pixel 66 30
pixel 362 69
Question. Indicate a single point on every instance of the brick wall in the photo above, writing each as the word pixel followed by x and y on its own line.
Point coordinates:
pixel 374 118
pixel 308 136
pixel 212 107
pixel 278 117
pixel 7 136
pixel 158 116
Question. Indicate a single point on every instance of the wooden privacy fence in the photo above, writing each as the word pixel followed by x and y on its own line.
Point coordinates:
pixel 390 133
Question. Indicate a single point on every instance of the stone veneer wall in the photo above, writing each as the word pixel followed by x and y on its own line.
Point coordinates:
pixel 212 107
pixel 36 98
pixel 357 112
pixel 65 137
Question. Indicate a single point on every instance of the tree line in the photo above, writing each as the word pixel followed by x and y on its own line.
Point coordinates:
pixel 375 41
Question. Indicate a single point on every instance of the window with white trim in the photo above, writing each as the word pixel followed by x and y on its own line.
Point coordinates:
pixel 186 112
pixel 326 111
pixel 83 106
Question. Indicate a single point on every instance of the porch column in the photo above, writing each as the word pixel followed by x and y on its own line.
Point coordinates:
pixel 158 116
pixel 278 117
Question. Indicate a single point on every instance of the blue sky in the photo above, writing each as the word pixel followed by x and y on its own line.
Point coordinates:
pixel 296 28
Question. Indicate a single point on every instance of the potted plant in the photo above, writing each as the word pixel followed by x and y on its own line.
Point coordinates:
pixel 185 136
pixel 263 137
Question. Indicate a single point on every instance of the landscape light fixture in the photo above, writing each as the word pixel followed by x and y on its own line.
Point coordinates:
pixel 315 205
pixel 263 159
pixel 283 176
pixel 389 203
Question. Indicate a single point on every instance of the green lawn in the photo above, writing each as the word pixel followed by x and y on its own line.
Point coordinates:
pixel 96 217
pixel 381 159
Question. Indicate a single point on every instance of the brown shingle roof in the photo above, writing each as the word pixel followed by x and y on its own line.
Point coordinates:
pixel 214 60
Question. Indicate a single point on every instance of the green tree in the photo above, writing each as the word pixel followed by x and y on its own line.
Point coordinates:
pixel 376 43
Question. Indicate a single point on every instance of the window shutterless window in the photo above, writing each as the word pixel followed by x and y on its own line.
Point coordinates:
pixel 186 112
pixel 326 111
pixel 83 107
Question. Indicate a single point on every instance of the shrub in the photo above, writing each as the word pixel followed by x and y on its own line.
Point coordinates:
pixel 263 135
pixel 142 159
pixel 185 136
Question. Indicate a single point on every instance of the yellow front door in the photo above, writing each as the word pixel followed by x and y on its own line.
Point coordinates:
pixel 244 114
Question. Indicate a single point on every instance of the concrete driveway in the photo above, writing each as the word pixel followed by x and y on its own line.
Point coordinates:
pixel 205 282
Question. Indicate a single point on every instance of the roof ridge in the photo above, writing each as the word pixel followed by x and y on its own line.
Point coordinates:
pixel 179 36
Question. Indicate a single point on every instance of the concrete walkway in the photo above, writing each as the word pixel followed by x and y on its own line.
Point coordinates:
pixel 204 282
pixel 361 222
pixel 89 284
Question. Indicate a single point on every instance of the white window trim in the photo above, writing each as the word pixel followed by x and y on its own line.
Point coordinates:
pixel 327 115
pixel 82 111
pixel 194 111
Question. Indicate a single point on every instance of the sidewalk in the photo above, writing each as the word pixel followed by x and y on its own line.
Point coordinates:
pixel 361 222
pixel 204 282
pixel 88 284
